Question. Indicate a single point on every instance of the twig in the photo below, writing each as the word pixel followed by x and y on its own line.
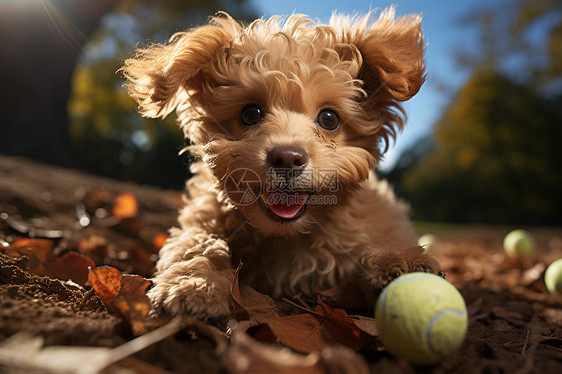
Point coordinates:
pixel 525 344
pixel 131 347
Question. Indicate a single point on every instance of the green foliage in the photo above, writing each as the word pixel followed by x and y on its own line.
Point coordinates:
pixel 497 157
pixel 108 134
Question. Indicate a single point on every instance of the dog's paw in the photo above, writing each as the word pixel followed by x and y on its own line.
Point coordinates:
pixel 383 269
pixel 205 298
pixel 418 261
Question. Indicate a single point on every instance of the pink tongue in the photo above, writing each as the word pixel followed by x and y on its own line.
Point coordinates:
pixel 286 204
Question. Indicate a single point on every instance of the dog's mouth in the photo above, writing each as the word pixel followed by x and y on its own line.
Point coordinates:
pixel 284 205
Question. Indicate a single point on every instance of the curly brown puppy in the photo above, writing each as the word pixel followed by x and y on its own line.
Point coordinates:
pixel 289 119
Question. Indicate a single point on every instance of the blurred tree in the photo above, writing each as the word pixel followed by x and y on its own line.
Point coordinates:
pixel 108 133
pixel 40 43
pixel 496 156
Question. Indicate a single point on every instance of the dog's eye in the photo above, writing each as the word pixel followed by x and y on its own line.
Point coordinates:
pixel 328 119
pixel 251 115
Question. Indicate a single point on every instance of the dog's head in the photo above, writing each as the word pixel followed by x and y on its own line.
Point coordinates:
pixel 289 115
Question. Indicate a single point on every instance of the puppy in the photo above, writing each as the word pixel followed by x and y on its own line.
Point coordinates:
pixel 289 119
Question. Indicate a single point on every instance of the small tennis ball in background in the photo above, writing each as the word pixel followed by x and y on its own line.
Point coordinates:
pixel 421 318
pixel 553 277
pixel 519 243
pixel 429 242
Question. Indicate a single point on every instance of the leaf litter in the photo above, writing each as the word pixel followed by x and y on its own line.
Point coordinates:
pixel 514 323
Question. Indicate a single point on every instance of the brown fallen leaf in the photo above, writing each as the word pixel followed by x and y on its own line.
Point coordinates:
pixel 301 332
pixel 246 355
pixel 346 296
pixel 366 324
pixel 70 266
pixel 130 226
pixel 124 295
pixel 345 329
pixel 308 332
pixel 251 304
pixel 125 205
pixel 139 259
pixel 240 313
pixel 96 199
pixel 314 330
pixel 159 240
pixel 106 282
pixel 38 251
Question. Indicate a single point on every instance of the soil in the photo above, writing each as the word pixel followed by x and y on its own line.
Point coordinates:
pixel 515 324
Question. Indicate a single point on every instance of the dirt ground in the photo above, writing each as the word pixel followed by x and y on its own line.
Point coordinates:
pixel 54 223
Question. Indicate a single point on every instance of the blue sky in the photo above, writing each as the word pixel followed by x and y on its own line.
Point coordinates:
pixel 443 33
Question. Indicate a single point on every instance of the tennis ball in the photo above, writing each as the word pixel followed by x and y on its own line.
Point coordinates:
pixel 519 243
pixel 429 242
pixel 421 318
pixel 553 277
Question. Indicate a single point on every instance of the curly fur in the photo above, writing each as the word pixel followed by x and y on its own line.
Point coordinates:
pixel 361 68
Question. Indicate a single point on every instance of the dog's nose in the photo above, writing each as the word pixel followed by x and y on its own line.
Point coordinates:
pixel 288 158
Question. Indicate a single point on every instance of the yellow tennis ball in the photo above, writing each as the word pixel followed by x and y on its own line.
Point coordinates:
pixel 553 277
pixel 519 243
pixel 421 318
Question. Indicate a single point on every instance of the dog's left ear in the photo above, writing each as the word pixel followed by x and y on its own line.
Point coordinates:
pixel 393 68
pixel 392 51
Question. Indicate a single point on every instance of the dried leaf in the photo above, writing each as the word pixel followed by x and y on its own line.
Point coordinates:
pixel 133 309
pixel 107 283
pixel 315 330
pixel 93 245
pixel 124 295
pixel 96 199
pixel 125 205
pixel 309 332
pixel 344 329
pixel 345 296
pixel 70 266
pixel 260 307
pixel 134 285
pixel 366 324
pixel 37 250
pixel 129 226
pixel 301 332
pixel 159 240
pixel 250 304
pixel 247 355
pixel 140 260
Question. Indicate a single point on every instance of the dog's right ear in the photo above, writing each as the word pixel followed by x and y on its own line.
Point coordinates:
pixel 158 73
